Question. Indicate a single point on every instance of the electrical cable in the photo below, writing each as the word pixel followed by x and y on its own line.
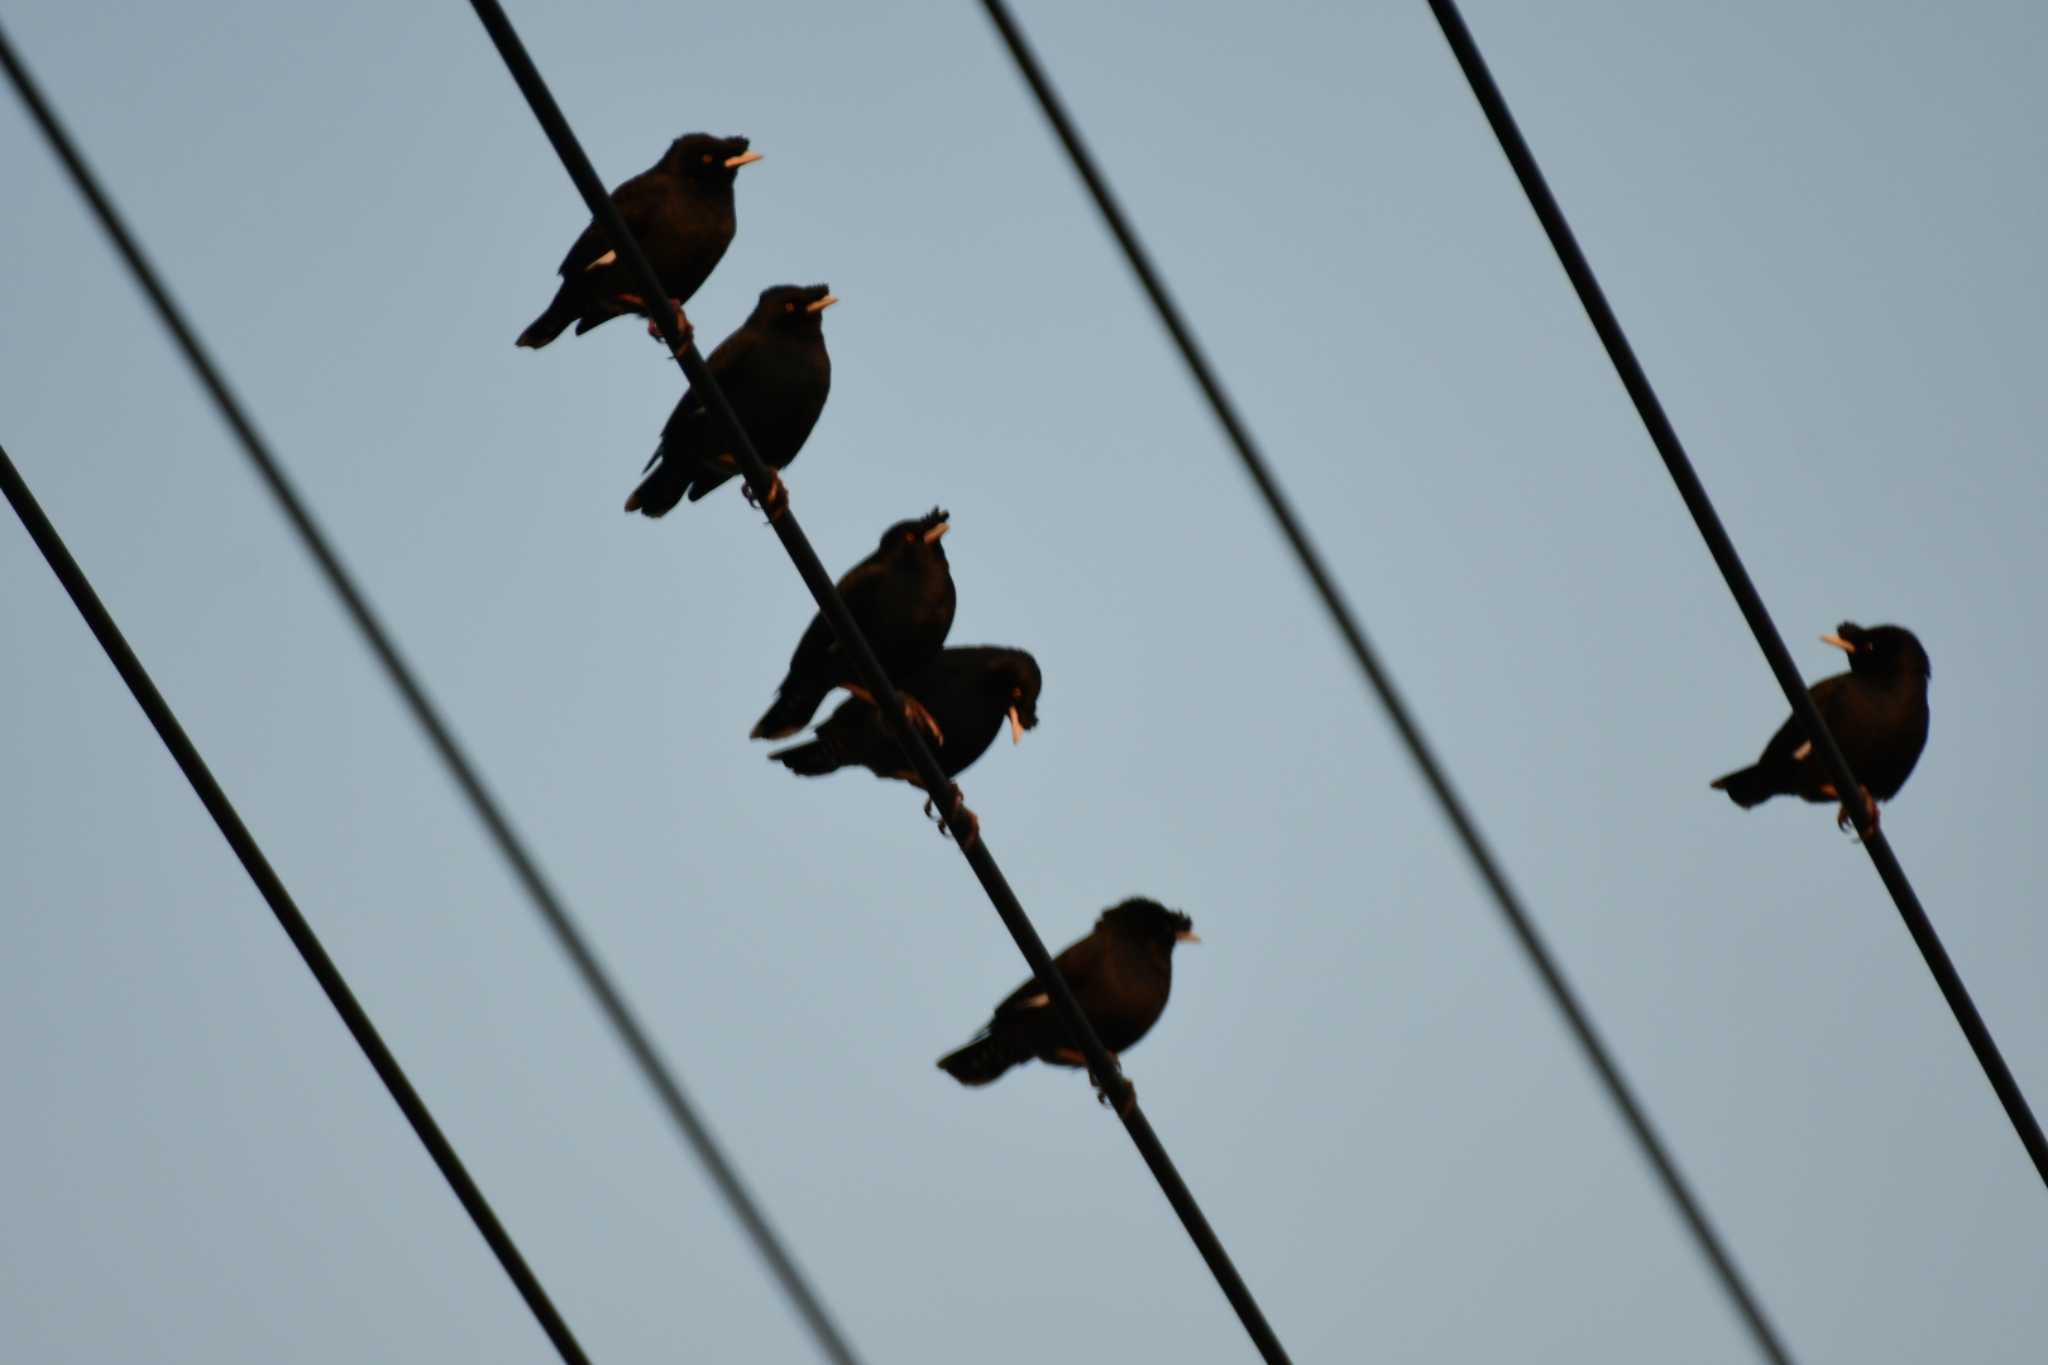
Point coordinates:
pixel 1665 437
pixel 1523 926
pixel 280 901
pixel 525 867
pixel 960 821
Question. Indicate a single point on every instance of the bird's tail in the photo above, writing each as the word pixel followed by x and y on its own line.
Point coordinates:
pixel 1746 788
pixel 814 759
pixel 660 490
pixel 545 328
pixel 982 1060
pixel 794 706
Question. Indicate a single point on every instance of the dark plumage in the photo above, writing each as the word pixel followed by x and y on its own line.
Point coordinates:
pixel 1121 973
pixel 902 598
pixel 679 210
pixel 1877 712
pixel 774 372
pixel 969 692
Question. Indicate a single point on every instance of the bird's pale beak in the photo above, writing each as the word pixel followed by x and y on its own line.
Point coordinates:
pixel 931 537
pixel 1016 728
pixel 1839 643
pixel 733 163
pixel 1187 936
pixel 822 304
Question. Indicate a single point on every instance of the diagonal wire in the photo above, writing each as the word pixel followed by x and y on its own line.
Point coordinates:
pixel 280 901
pixel 958 819
pixel 1433 773
pixel 1694 493
pixel 831 1340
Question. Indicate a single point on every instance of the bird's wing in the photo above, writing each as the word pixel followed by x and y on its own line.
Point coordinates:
pixel 635 201
pixel 1791 744
pixel 1078 964
pixel 687 432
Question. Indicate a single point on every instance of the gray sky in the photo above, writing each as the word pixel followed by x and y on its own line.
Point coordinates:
pixel 1821 223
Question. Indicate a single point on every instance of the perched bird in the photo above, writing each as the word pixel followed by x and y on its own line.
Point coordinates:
pixel 969 692
pixel 1121 974
pixel 679 210
pixel 1877 712
pixel 902 598
pixel 774 372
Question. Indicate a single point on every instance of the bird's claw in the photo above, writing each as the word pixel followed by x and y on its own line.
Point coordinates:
pixel 1845 820
pixel 956 804
pixel 683 326
pixel 1118 1084
pixel 775 502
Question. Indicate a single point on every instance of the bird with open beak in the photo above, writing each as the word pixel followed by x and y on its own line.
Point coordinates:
pixel 776 374
pixel 680 212
pixel 1877 712
pixel 969 692
pixel 902 598
pixel 1121 975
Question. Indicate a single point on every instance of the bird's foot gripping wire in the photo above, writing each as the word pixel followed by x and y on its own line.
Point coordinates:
pixel 683 326
pixel 956 804
pixel 775 502
pixel 1115 1090
pixel 1865 827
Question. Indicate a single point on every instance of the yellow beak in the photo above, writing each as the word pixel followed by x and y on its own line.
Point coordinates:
pixel 1839 643
pixel 733 163
pixel 822 304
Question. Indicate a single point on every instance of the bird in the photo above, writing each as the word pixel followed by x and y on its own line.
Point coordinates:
pixel 1121 973
pixel 968 691
pixel 775 373
pixel 680 212
pixel 1877 712
pixel 902 598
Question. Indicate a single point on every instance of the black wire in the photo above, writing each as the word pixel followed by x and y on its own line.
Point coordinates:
pixel 1419 749
pixel 959 820
pixel 524 866
pixel 288 917
pixel 1665 437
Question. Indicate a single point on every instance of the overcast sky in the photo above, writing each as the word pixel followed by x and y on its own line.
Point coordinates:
pixel 1822 224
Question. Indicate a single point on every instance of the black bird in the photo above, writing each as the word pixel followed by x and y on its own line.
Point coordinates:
pixel 679 210
pixel 1877 712
pixel 774 372
pixel 1121 974
pixel 902 598
pixel 969 692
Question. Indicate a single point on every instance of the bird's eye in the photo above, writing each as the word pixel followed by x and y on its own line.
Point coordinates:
pixel 707 158
pixel 789 308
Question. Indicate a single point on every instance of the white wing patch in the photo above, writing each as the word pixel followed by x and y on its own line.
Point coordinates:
pixel 603 260
pixel 1799 754
pixel 1033 1002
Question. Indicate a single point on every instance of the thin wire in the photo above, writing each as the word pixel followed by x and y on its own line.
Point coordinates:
pixel 1694 493
pixel 1433 772
pixel 288 917
pixel 525 867
pixel 958 819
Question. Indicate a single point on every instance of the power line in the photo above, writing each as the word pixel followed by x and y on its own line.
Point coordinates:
pixel 1694 493
pixel 958 819
pixel 831 1340
pixel 280 901
pixel 1433 773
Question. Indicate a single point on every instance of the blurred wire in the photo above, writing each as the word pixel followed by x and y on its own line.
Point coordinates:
pixel 1665 437
pixel 288 917
pixel 1433 773
pixel 958 819
pixel 524 866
